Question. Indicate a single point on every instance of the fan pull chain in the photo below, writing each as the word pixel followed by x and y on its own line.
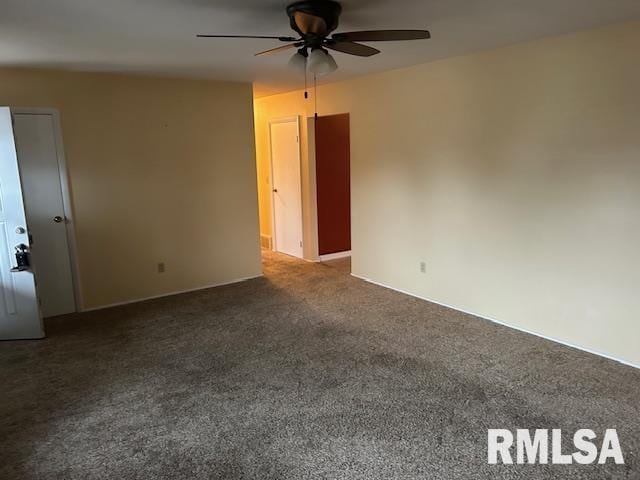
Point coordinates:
pixel 315 95
pixel 306 93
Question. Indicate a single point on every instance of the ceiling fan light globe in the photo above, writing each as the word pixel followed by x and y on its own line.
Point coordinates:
pixel 298 62
pixel 321 62
pixel 331 63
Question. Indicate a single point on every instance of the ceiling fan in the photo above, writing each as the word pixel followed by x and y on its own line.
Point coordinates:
pixel 314 21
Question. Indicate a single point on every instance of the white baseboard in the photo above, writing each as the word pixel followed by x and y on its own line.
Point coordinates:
pixel 335 256
pixel 567 344
pixel 169 294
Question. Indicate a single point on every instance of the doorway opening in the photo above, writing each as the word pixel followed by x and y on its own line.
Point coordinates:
pixel 308 188
pixel 37 249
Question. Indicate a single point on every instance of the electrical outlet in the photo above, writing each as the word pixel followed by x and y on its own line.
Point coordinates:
pixel 423 267
pixel 161 267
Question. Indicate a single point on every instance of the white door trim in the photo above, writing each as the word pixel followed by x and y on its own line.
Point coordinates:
pixel 295 118
pixel 312 186
pixel 66 195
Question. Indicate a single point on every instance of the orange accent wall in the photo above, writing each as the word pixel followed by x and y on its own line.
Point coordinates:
pixel 333 183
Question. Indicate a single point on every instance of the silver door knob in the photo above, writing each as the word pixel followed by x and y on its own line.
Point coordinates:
pixel 57 219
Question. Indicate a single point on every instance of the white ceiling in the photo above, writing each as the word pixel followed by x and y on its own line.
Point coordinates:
pixel 158 36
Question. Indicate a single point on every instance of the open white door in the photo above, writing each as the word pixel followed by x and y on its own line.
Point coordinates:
pixel 287 187
pixel 19 311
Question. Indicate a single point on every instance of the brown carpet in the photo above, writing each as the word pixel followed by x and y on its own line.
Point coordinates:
pixel 305 373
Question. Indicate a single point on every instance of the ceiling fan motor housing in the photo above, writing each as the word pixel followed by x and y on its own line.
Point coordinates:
pixel 327 10
pixel 315 20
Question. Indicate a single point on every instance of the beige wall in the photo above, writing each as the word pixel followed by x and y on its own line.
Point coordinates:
pixel 161 170
pixel 514 174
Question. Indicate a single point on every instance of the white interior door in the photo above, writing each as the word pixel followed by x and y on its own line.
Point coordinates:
pixel 19 313
pixel 286 186
pixel 40 173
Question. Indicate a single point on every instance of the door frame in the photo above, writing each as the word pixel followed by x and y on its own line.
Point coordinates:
pixel 274 239
pixel 65 184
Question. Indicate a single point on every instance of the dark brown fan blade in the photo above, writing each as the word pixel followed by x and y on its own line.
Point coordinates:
pixel 280 49
pixel 282 39
pixel 382 35
pixel 352 48
pixel 308 23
